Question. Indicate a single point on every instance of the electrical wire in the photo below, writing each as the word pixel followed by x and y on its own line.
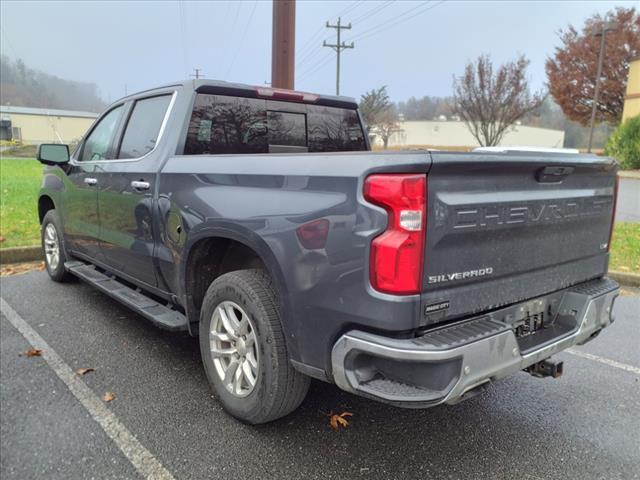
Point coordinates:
pixel 373 11
pixel 403 17
pixel 244 34
pixel 308 49
pixel 183 37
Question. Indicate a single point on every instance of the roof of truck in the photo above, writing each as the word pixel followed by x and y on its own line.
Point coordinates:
pixel 262 91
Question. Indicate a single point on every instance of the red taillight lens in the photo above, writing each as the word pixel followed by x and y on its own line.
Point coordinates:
pixel 397 255
pixel 613 215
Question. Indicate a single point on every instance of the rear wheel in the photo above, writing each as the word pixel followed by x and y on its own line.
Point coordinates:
pixel 53 247
pixel 243 349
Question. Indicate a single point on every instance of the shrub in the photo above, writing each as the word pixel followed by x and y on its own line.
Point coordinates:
pixel 624 143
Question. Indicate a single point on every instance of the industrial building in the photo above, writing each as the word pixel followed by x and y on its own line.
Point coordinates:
pixel 632 98
pixel 443 133
pixel 42 125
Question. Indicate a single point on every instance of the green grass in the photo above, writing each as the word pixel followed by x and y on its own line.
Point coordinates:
pixel 19 185
pixel 625 248
pixel 20 182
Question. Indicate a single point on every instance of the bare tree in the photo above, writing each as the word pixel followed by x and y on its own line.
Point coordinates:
pixel 490 101
pixel 386 124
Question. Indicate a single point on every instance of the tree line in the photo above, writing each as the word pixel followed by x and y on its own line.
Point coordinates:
pixel 27 87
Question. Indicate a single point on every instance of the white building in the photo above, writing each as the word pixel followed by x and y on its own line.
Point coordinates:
pixel 442 133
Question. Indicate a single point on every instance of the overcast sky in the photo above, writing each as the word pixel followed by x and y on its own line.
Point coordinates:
pixel 414 47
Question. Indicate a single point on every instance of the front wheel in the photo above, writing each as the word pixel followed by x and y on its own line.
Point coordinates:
pixel 243 349
pixel 53 247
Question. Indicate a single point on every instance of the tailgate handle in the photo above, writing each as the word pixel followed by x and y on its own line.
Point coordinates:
pixel 554 174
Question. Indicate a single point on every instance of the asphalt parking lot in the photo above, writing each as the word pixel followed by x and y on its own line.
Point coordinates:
pixel 584 425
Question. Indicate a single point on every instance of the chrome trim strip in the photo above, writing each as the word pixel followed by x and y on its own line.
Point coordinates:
pixel 163 125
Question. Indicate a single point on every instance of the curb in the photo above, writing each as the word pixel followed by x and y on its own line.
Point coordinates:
pixel 625 278
pixel 20 254
pixel 635 174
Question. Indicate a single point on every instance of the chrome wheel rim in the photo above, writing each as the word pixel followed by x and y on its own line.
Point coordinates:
pixel 233 348
pixel 51 246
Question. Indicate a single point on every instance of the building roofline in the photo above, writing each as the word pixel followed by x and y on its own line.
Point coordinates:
pixel 47 112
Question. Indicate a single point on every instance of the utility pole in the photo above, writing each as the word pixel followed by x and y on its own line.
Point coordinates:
pixel 338 47
pixel 283 44
pixel 602 32
pixel 197 75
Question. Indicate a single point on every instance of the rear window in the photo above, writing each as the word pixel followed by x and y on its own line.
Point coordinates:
pixel 223 124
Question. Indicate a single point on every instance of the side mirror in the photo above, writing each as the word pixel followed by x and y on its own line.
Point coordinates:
pixel 53 154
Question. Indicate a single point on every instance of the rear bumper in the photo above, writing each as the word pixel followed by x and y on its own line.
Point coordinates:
pixel 445 364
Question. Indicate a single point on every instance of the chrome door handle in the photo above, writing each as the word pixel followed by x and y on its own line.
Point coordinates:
pixel 140 185
pixel 91 181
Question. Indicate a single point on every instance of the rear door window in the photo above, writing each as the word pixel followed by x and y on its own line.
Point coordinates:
pixel 223 124
pixel 143 128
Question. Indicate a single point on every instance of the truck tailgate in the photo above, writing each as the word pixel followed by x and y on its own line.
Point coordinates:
pixel 506 227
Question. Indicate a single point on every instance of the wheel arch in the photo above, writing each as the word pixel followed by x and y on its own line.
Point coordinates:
pixel 237 248
pixel 45 203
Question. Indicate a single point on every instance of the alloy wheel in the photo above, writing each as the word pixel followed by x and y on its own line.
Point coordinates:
pixel 233 347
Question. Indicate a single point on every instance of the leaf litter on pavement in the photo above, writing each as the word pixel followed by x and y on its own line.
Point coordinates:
pixel 32 352
pixel 339 420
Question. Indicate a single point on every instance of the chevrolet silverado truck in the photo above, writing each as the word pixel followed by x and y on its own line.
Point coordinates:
pixel 259 220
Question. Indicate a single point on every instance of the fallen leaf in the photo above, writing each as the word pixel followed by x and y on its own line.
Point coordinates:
pixel 108 396
pixel 83 371
pixel 336 421
pixel 1 239
pixel 32 352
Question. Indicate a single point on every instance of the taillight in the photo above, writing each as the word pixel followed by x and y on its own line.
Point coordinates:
pixel 613 215
pixel 282 94
pixel 397 255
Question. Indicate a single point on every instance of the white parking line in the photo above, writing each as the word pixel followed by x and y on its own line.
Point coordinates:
pixel 605 361
pixel 143 461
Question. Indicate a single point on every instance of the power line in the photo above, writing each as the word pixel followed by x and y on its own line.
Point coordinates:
pixel 183 36
pixel 308 50
pixel 338 47
pixel 316 67
pixel 232 30
pixel 6 37
pixel 244 34
pixel 307 54
pixel 372 12
pixel 403 17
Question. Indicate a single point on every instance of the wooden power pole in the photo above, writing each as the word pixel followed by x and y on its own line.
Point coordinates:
pixel 283 44
pixel 338 47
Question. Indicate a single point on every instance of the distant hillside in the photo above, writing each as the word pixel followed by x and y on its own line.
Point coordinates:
pixel 25 87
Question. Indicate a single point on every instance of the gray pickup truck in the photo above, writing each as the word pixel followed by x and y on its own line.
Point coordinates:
pixel 258 220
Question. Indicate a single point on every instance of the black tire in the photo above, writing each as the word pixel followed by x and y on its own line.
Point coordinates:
pixel 279 388
pixel 57 272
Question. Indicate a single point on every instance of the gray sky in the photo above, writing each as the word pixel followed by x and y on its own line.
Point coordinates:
pixel 414 47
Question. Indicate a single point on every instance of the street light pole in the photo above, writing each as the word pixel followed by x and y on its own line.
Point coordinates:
pixel 606 27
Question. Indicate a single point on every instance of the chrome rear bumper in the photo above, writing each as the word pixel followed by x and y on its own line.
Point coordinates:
pixel 445 364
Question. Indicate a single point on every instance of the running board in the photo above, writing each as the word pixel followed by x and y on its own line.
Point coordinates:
pixel 160 315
